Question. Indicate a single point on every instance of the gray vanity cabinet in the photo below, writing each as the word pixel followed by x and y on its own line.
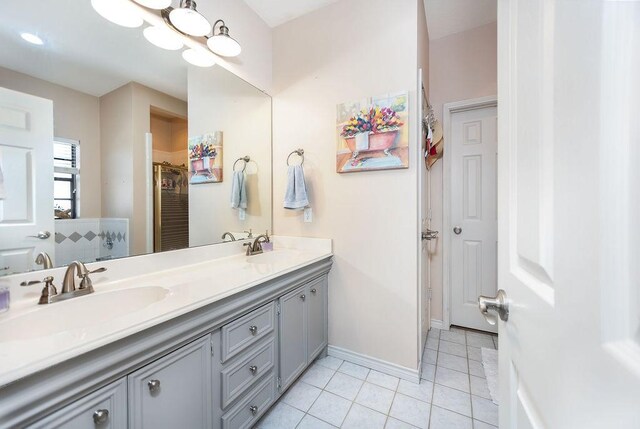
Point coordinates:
pixel 317 317
pixel 174 391
pixel 105 408
pixel 293 336
pixel 303 328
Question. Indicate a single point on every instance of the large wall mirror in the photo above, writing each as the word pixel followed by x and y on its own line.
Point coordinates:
pixel 112 147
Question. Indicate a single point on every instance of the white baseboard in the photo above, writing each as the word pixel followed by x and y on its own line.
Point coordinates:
pixel 375 363
pixel 438 324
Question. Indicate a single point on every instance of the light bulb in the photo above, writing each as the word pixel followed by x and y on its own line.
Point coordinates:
pixel 188 20
pixel 120 12
pixel 163 37
pixel 154 4
pixel 199 57
pixel 224 45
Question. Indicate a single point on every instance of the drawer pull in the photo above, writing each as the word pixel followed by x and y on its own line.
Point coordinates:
pixel 253 329
pixel 253 369
pixel 314 290
pixel 100 416
pixel 154 385
pixel 303 297
pixel 254 409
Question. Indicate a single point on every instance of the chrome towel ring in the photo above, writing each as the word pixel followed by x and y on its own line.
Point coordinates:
pixel 299 152
pixel 246 159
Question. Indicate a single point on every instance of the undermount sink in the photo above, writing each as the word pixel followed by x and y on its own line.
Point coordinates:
pixel 79 313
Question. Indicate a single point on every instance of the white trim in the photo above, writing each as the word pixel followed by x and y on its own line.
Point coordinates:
pixel 385 367
pixel 447 110
pixel 438 324
pixel 422 336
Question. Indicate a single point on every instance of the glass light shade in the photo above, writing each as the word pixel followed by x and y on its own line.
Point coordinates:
pixel 32 38
pixel 154 4
pixel 224 45
pixel 163 37
pixel 190 21
pixel 119 12
pixel 199 57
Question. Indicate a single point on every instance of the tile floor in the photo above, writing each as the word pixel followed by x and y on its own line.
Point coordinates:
pixel 453 393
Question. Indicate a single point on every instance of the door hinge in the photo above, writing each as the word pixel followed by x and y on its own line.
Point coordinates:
pixel 212 352
pixel 279 383
pixel 278 309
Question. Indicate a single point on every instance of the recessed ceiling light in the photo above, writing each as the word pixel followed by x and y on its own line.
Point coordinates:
pixel 120 12
pixel 199 57
pixel 32 38
pixel 163 37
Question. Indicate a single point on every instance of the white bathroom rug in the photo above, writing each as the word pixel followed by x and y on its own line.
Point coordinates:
pixel 490 364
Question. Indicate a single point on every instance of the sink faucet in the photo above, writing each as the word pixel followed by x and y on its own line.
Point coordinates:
pixel 44 260
pixel 69 281
pixel 256 247
pixel 230 236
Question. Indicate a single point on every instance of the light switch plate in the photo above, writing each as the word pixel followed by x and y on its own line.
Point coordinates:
pixel 308 215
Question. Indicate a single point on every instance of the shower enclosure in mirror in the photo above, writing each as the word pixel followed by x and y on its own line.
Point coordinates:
pixel 95 124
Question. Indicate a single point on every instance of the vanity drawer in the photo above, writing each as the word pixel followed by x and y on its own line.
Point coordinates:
pixel 249 409
pixel 241 374
pixel 105 408
pixel 247 330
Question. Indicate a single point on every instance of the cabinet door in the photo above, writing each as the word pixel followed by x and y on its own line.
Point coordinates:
pixel 104 409
pixel 174 391
pixel 293 335
pixel 317 319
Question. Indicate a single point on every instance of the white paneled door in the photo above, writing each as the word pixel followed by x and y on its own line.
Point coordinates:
pixel 569 213
pixel 474 229
pixel 26 159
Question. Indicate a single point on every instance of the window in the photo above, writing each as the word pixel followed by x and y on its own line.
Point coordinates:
pixel 66 170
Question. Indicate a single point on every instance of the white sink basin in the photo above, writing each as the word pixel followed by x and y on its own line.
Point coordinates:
pixel 272 257
pixel 79 313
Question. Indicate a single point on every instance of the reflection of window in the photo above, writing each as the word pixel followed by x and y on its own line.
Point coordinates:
pixel 66 169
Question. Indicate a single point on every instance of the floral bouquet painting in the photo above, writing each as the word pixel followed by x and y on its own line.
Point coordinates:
pixel 205 158
pixel 371 134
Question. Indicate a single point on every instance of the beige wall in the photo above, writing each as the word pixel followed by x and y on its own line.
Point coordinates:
pixel 462 66
pixel 220 101
pixel 169 140
pixel 254 35
pixel 371 216
pixel 126 118
pixel 75 116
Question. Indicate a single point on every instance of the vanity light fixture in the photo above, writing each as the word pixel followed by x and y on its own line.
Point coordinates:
pixel 188 20
pixel 32 38
pixel 199 57
pixel 163 37
pixel 154 4
pixel 223 44
pixel 119 12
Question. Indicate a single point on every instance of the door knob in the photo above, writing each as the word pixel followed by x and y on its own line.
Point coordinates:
pixel 457 230
pixel 42 235
pixel 498 304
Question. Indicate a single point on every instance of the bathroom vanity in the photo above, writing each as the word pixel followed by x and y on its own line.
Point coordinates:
pixel 220 341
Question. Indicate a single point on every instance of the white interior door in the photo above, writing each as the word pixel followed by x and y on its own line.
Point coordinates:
pixel 474 229
pixel 26 158
pixel 569 211
pixel 424 217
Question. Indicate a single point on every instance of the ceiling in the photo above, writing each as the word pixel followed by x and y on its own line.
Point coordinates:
pixel 84 51
pixel 447 17
pixel 276 12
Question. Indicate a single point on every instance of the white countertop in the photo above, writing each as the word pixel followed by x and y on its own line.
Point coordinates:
pixel 34 337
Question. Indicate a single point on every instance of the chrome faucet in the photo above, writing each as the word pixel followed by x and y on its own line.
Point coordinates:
pixel 228 234
pixel 255 248
pixel 50 294
pixel 44 260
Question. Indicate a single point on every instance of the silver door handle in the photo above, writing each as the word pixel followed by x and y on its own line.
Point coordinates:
pixel 498 304
pixel 457 230
pixel 100 416
pixel 42 235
